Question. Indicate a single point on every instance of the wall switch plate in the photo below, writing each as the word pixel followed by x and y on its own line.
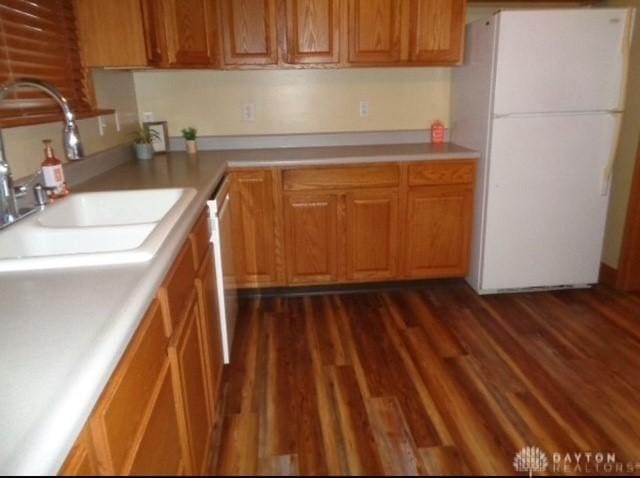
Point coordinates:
pixel 147 116
pixel 249 112
pixel 364 108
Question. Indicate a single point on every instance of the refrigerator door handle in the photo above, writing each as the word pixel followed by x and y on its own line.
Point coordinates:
pixel 625 46
pixel 607 173
pixel 622 97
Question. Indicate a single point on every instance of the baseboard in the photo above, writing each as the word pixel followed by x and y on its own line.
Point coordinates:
pixel 357 288
pixel 608 275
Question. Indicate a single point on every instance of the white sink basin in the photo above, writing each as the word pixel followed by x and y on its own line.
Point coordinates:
pixel 111 208
pixel 91 229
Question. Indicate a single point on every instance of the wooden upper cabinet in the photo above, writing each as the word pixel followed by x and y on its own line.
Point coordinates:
pixel 374 31
pixel 192 36
pixel 155 32
pixel 111 33
pixel 436 31
pixel 253 225
pixel 313 31
pixel 249 32
pixel 311 237
pixel 372 234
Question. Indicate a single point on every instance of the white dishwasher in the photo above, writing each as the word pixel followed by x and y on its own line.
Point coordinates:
pixel 227 297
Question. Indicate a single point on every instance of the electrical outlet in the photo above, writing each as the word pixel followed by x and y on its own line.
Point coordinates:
pixel 102 125
pixel 249 112
pixel 147 116
pixel 364 108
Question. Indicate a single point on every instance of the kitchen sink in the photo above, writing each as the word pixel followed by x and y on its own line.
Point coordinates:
pixel 111 208
pixel 93 229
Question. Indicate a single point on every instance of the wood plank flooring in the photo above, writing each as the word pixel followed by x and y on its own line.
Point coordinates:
pixel 435 380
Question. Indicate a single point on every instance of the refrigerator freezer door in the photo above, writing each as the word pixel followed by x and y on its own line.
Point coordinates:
pixel 546 212
pixel 561 60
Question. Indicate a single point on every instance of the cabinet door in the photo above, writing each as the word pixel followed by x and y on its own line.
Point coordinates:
pixel 313 31
pixel 155 32
pixel 159 451
pixel 436 32
pixel 81 460
pixel 372 234
pixel 311 239
pixel 249 32
pixel 438 231
pixel 122 411
pixel 253 227
pixel 111 33
pixel 192 36
pixel 374 30
pixel 210 325
pixel 188 372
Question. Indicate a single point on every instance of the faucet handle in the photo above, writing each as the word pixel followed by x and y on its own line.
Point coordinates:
pixel 40 193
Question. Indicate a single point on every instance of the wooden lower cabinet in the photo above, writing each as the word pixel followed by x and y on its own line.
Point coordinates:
pixel 311 237
pixel 372 233
pixel 438 229
pixel 157 413
pixel 188 369
pixel 377 222
pixel 81 460
pixel 159 451
pixel 254 228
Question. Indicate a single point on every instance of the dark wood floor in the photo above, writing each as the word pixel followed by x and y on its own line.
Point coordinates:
pixel 430 380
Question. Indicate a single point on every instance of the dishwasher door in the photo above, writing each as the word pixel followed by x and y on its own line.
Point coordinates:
pixel 227 296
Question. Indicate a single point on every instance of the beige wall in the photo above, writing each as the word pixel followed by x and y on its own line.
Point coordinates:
pixel 296 101
pixel 625 158
pixel 114 90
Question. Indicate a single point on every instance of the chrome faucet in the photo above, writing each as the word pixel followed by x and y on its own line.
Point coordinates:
pixel 9 211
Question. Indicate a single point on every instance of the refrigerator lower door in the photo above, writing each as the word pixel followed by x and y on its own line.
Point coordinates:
pixel 546 203
pixel 563 60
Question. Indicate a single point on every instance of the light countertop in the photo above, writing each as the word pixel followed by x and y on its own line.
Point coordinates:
pixel 62 332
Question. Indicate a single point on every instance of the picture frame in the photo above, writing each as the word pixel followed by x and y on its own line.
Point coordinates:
pixel 161 142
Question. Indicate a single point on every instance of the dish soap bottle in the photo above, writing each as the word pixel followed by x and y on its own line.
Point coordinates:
pixel 52 173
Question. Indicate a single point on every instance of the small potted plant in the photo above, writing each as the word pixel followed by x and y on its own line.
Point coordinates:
pixel 189 134
pixel 143 142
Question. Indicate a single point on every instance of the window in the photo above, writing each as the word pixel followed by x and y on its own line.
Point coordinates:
pixel 38 39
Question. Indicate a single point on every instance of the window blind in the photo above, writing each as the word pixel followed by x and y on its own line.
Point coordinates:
pixel 38 38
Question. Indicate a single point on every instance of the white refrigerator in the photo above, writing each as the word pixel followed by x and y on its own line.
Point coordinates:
pixel 540 95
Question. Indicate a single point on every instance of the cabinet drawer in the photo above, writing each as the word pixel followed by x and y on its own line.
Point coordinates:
pixel 199 237
pixel 178 288
pixel 121 410
pixel 441 172
pixel 341 177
